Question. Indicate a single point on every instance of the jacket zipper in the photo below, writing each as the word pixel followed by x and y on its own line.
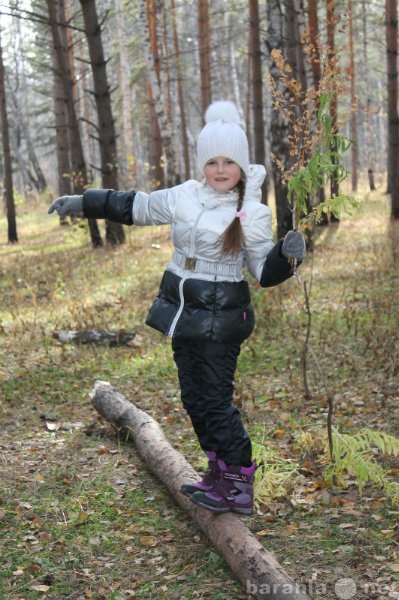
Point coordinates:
pixel 193 232
pixel 180 310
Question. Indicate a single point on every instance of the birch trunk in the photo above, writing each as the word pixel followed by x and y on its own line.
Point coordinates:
pixel 159 100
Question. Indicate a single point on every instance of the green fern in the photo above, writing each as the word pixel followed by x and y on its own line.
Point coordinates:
pixel 353 454
pixel 273 477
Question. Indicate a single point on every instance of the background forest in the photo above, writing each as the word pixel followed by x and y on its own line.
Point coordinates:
pixel 112 93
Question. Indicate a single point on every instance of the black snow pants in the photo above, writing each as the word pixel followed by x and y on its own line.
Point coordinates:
pixel 206 375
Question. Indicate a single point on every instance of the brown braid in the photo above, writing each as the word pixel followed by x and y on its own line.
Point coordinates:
pixel 233 239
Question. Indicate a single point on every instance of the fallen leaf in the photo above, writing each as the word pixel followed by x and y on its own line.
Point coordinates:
pixel 40 588
pixel 263 532
pixel 147 540
pixel 291 528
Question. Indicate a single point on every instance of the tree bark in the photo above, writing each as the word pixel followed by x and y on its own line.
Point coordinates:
pixel 393 116
pixel 353 121
pixel 366 79
pixel 148 16
pixel 106 131
pixel 279 125
pixel 8 184
pixel 180 95
pixel 256 567
pixel 204 41
pixel 316 71
pixel 128 154
pixel 257 90
pixel 334 185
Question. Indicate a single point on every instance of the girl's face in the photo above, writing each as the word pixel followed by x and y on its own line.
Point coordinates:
pixel 222 173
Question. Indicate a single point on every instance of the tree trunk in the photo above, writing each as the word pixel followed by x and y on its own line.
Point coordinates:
pixel 36 175
pixel 147 22
pixel 257 90
pixel 366 79
pixel 278 122
pixel 393 117
pixel 333 110
pixel 8 184
pixel 61 132
pixel 353 121
pixel 106 131
pixel 204 41
pixel 57 22
pixel 316 70
pixel 128 154
pixel 180 95
pixel 258 569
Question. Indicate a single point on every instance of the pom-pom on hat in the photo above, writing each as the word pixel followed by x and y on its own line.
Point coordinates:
pixel 222 135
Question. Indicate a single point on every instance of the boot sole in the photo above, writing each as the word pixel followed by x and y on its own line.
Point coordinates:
pixel 189 492
pixel 220 510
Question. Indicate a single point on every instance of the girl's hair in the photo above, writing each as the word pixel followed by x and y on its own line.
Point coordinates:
pixel 233 238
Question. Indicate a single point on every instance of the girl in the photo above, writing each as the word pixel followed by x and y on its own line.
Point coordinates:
pixel 219 226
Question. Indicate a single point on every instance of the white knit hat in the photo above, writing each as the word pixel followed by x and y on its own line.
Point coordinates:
pixel 222 135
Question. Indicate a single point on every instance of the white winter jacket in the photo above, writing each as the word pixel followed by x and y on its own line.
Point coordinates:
pixel 198 216
pixel 202 294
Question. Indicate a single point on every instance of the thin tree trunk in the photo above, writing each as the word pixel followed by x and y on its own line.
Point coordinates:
pixel 127 149
pixel 393 117
pixel 204 40
pixel 106 131
pixel 257 90
pixel 334 184
pixel 257 568
pixel 316 70
pixel 64 180
pixel 36 176
pixel 353 122
pixel 147 21
pixel 278 122
pixel 8 184
pixel 180 95
pixel 370 166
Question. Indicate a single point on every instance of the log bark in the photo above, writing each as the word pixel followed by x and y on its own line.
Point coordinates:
pixel 257 568
pixel 95 336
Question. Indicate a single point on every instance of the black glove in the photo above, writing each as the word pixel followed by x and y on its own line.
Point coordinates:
pixel 67 206
pixel 294 245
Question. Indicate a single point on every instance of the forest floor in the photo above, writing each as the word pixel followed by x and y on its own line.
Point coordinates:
pixel 81 517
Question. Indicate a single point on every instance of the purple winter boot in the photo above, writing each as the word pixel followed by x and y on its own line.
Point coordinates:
pixel 209 480
pixel 234 491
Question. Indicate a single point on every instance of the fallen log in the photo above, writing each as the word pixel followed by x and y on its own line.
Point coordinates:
pixel 257 568
pixel 95 336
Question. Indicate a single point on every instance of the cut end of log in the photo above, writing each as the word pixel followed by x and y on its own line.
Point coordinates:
pixel 97 385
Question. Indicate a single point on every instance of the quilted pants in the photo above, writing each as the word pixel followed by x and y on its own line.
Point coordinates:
pixel 206 375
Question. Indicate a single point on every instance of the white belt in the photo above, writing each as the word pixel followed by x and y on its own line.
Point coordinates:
pixel 197 265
